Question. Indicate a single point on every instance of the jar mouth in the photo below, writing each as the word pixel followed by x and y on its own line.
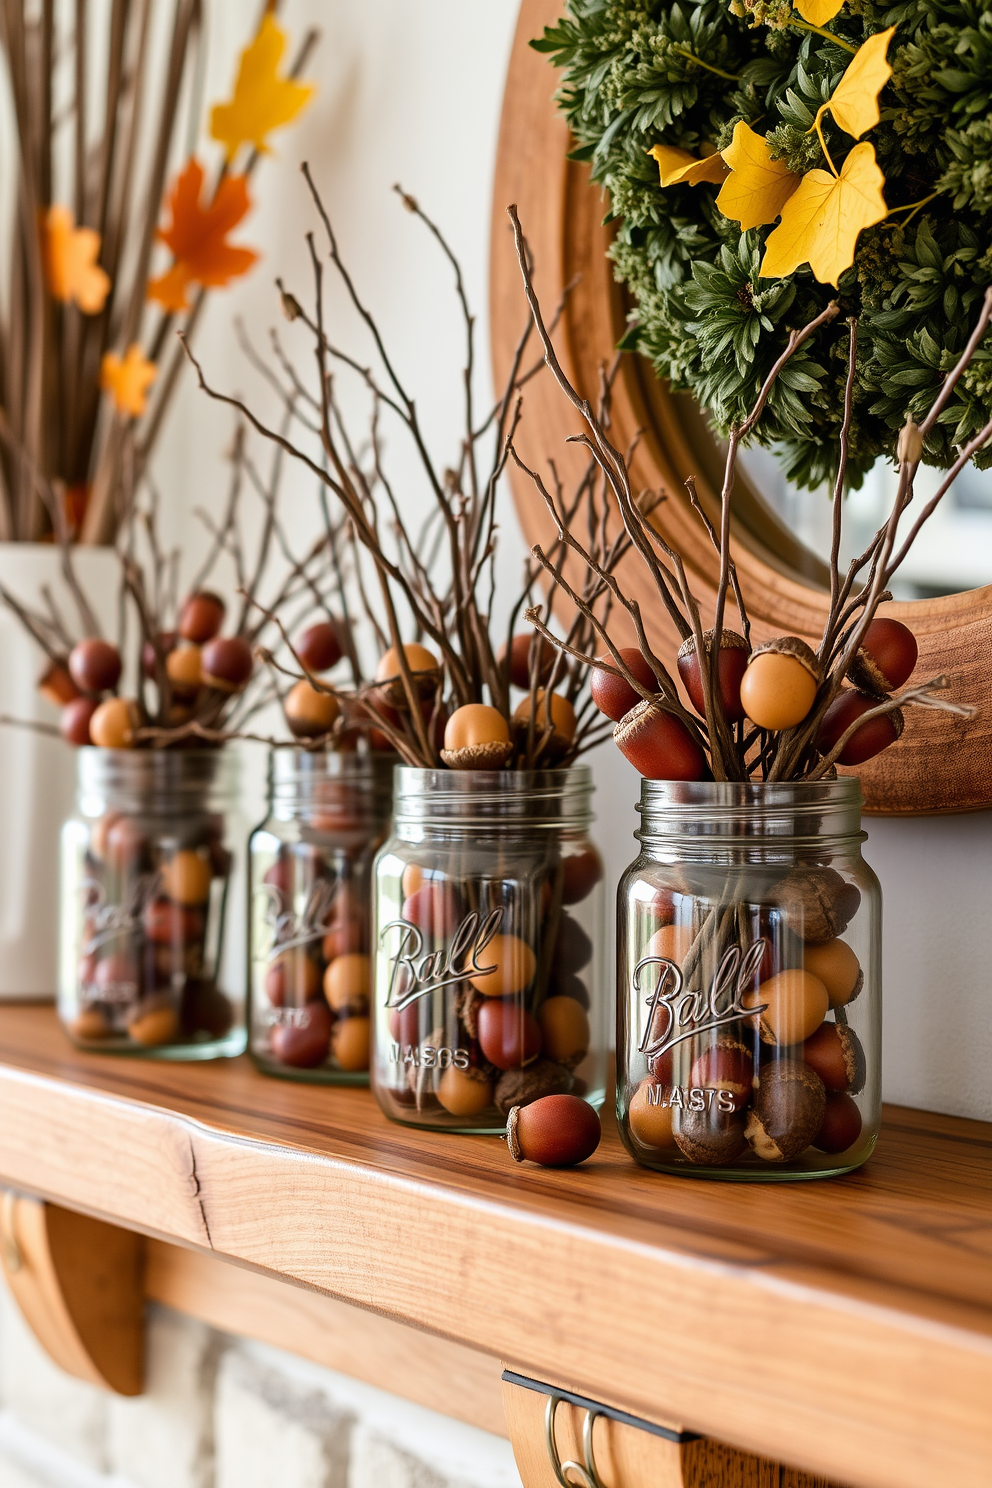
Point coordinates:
pixel 155 778
pixel 463 797
pixel 731 809
pixel 301 780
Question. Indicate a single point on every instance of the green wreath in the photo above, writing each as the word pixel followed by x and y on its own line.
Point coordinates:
pixel 683 77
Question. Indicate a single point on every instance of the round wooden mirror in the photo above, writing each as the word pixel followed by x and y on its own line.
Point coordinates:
pixel 942 764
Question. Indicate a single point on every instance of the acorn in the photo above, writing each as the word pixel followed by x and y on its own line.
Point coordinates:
pixel 201 617
pixel 726 1065
pixel 227 663
pixel 658 744
pixel 557 1131
pixel 521 1087
pixel 509 1036
pixel 835 1052
pixel 424 668
pixel 870 739
pixel 114 722
pixel 731 666
pixel 818 903
pixel 780 683
pixel 787 1110
pixel 464 1092
pixel 794 1004
pixel 319 647
pixel 521 651
pixel 184 668
pixel 550 708
pixel 710 1137
pixel 650 1121
pixel 885 658
pixel 838 968
pixel 167 641
pixel 94 665
pixel 614 695
pixel 56 685
pixel 310 713
pixel 841 1124
pixel 580 873
pixel 476 737
pixel 74 722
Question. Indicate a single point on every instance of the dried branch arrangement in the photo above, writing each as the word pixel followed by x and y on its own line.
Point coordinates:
pixel 779 710
pixel 169 678
pixel 79 347
pixel 442 693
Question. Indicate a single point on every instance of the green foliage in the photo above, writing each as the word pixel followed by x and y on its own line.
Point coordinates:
pixel 639 72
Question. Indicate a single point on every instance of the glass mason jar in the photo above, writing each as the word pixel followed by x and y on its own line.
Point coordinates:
pixel 310 868
pixel 488 947
pixel 149 961
pixel 749 1018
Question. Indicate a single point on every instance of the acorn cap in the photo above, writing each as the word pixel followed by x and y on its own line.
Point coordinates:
pixel 490 756
pixel 512 1139
pixel 709 1138
pixel 729 641
pixel 519 1087
pixel 855 1064
pixel 787 1111
pixel 867 675
pixel 792 646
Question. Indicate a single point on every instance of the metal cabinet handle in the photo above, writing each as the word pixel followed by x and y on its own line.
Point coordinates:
pixel 586 1475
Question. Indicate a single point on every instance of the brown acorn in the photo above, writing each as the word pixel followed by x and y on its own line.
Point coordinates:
pixel 886 657
pixel 731 666
pixel 787 1111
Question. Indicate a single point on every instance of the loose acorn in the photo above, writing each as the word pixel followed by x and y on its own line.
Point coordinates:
pixel 113 724
pixel 521 650
pixel 227 663
pixel 476 737
pixel 557 1131
pixel 886 657
pixel 74 722
pixel 201 617
pixel 319 647
pixel 614 695
pixel 94 666
pixel 870 739
pixel 310 713
pixel 658 744
pixel 841 1124
pixel 731 666
pixel 780 683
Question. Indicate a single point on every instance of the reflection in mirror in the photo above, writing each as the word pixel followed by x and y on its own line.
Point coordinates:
pixel 954 552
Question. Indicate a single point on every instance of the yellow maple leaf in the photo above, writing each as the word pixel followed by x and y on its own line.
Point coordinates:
pixel 71 270
pixel 262 100
pixel 823 217
pixel 127 379
pixel 854 101
pixel 758 187
pixel 817 12
pixel 680 168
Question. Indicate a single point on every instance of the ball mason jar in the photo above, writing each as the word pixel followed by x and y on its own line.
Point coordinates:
pixel 488 947
pixel 749 1017
pixel 150 962
pixel 310 868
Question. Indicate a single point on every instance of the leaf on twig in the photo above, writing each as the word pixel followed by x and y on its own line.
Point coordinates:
pixel 854 101
pixel 680 167
pixel 817 12
pixel 127 379
pixel 758 187
pixel 823 217
pixel 262 100
pixel 197 236
pixel 71 269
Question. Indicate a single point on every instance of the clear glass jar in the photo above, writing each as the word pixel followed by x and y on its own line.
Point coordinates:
pixel 749 1017
pixel 149 960
pixel 488 947
pixel 310 866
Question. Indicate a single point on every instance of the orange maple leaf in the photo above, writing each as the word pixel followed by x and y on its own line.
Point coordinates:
pixel 127 379
pixel 197 236
pixel 71 269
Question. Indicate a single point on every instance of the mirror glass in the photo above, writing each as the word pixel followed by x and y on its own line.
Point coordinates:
pixel 953 552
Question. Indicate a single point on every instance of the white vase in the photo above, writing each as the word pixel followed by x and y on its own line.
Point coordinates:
pixel 37 773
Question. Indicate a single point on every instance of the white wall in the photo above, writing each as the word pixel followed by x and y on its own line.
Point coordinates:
pixel 412 93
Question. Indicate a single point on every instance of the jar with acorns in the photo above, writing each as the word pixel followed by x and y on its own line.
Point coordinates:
pixel 310 866
pixel 149 963
pixel 749 1020
pixel 488 946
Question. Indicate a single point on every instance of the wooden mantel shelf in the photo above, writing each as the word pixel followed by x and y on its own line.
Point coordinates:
pixel 843 1326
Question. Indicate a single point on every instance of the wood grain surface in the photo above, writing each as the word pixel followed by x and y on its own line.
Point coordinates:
pixel 942 763
pixel 843 1327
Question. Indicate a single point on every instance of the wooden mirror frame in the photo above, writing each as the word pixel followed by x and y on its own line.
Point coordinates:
pixel 942 764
